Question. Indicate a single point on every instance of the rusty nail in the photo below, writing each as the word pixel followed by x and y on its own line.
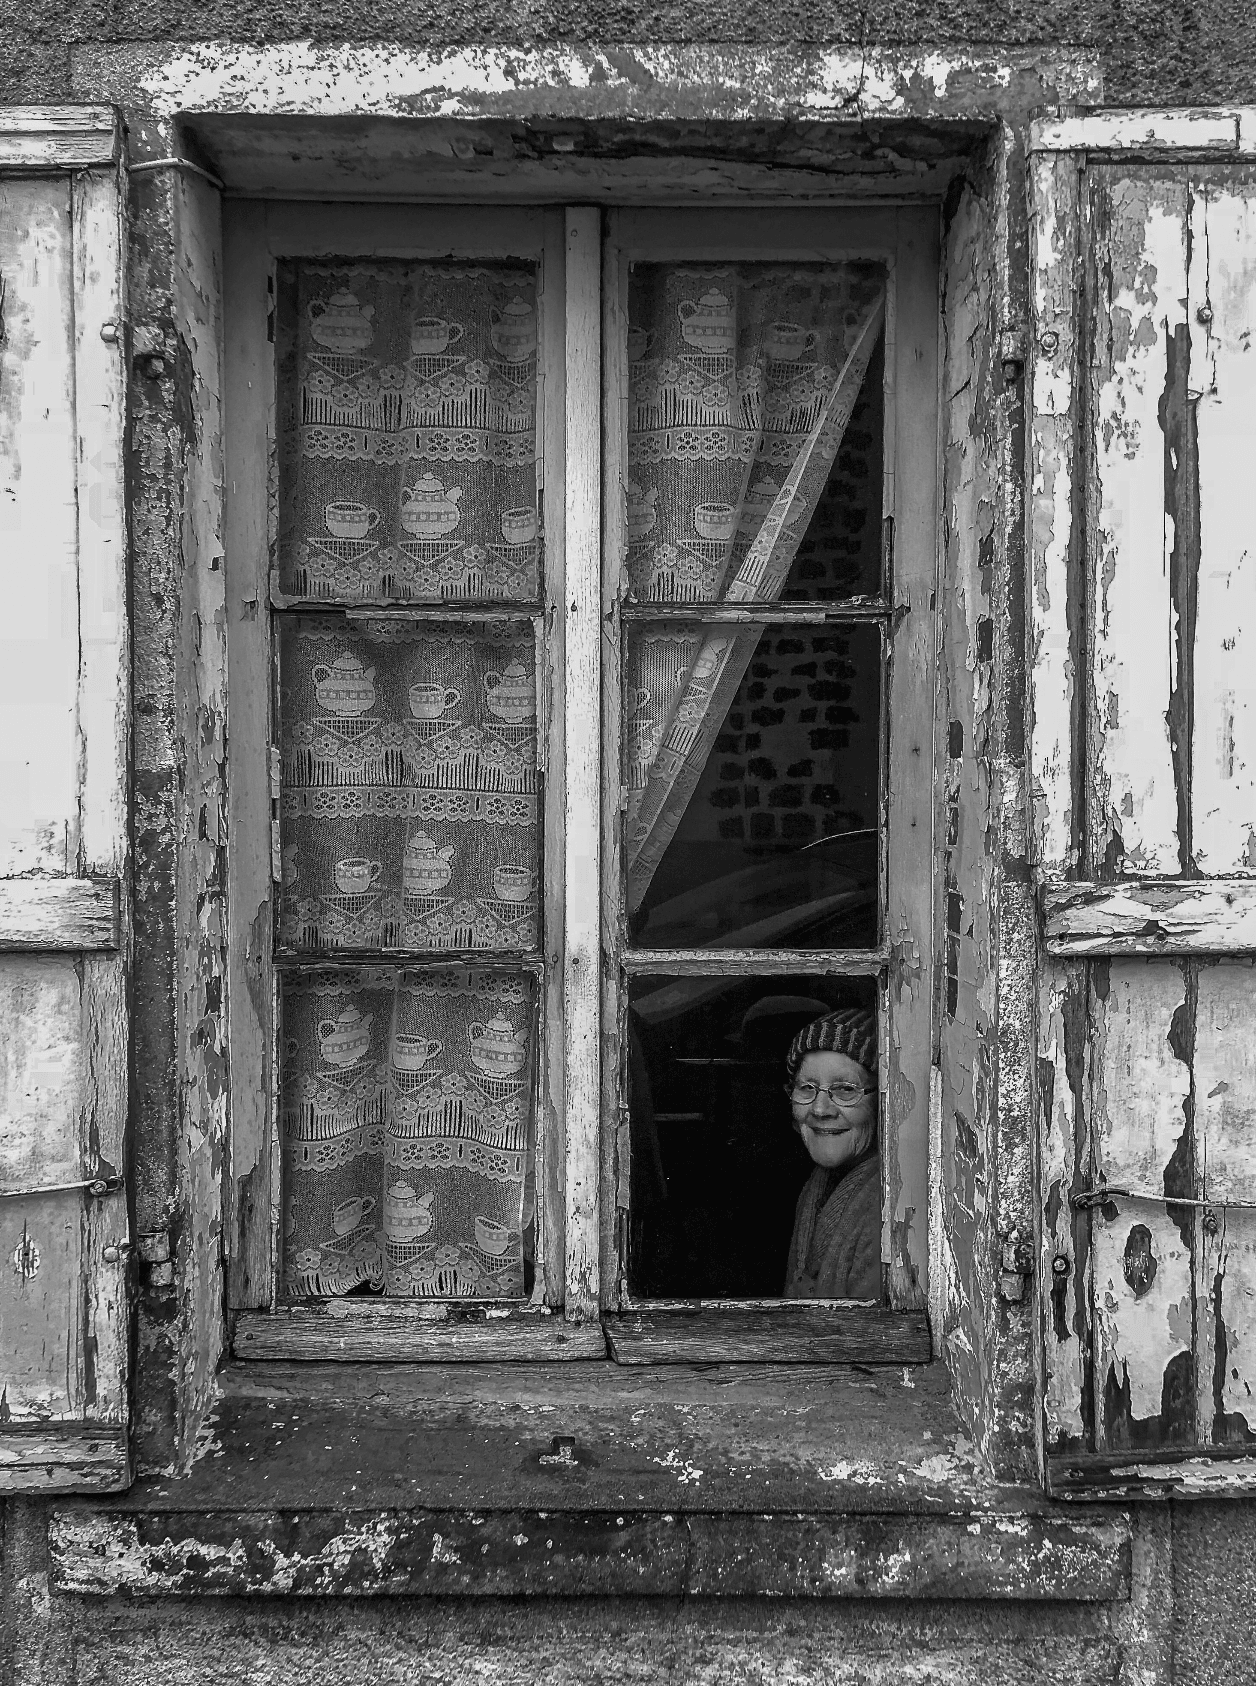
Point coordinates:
pixel 1204 314
pixel 1049 342
pixel 1061 1265
pixel 109 332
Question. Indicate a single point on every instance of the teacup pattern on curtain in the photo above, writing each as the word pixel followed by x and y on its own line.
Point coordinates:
pixel 407 432
pixel 408 817
pixel 742 380
pixel 407 1124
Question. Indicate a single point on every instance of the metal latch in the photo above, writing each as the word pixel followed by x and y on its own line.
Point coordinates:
pixel 95 1188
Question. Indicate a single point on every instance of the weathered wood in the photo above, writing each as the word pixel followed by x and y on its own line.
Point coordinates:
pixel 60 137
pixel 582 599
pixel 616 1164
pixel 64 1459
pixel 910 501
pixel 1142 1248
pixel 64 707
pixel 39 631
pixel 1225 1150
pixel 794 1332
pixel 1169 1475
pixel 248 423
pixel 70 915
pixel 1223 300
pixel 1137 132
pixel 581 1553
pixel 1136 783
pixel 551 1138
pixel 858 609
pixel 355 1332
pixel 1052 629
pixel 716 962
pixel 1064 1157
pixel 1137 916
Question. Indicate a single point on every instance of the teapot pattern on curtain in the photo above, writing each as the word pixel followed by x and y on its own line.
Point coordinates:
pixel 742 380
pixel 407 1126
pixel 407 411
pixel 408 815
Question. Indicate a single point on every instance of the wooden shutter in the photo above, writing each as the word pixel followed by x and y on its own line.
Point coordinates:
pixel 63 816
pixel 1142 531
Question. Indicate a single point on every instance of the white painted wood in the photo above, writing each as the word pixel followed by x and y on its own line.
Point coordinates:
pixel 1051 398
pixel 39 629
pixel 582 600
pixel 1173 916
pixel 1138 262
pixel 68 914
pixel 64 1460
pixel 67 137
pixel 1138 1090
pixel 1223 282
pixel 100 416
pixel 64 710
pixel 1183 130
pixel 1225 1152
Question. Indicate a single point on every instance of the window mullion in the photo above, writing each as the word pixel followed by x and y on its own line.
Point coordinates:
pixel 582 681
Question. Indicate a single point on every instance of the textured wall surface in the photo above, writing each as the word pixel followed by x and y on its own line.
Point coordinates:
pixel 1153 51
pixel 1214 1610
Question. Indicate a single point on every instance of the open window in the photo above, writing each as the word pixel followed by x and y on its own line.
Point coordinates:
pixel 771 403
pixel 520 970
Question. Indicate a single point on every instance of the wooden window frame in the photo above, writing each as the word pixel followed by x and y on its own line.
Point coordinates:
pixel 578 1099
pixel 906 242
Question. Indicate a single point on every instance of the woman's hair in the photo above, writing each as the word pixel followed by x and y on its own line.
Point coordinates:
pixel 851 1031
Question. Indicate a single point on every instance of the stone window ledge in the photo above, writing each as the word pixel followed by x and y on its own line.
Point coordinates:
pixel 587 1479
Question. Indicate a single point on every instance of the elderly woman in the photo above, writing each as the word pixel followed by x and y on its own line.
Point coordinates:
pixel 830 1069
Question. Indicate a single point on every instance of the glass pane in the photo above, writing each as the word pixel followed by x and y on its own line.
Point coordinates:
pixel 407 1113
pixel 720 1173
pixel 409 801
pixel 752 765
pixel 407 400
pixel 745 477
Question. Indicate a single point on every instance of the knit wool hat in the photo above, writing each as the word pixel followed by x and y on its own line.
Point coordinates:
pixel 852 1031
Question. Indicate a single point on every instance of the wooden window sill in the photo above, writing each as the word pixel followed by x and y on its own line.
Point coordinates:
pixel 655 1332
pixel 587 1479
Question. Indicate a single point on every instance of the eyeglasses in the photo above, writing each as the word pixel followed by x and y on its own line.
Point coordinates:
pixel 840 1094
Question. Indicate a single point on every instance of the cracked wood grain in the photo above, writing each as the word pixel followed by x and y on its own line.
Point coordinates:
pixel 1150 916
pixel 1137 261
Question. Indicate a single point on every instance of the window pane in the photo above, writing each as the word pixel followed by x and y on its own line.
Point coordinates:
pixel 407 431
pixel 717 1167
pixel 409 803
pixel 747 478
pixel 752 763
pixel 407 1132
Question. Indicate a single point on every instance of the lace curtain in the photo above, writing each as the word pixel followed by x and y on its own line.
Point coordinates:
pixel 408 758
pixel 742 382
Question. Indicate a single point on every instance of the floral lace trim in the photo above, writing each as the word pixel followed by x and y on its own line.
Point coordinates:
pixel 357 444
pixel 352 802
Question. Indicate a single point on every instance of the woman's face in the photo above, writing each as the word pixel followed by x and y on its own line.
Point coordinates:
pixel 834 1135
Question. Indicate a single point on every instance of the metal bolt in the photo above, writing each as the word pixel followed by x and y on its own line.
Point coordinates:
pixel 109 332
pixel 1049 342
pixel 1061 1264
pixel 1204 315
pixel 113 1251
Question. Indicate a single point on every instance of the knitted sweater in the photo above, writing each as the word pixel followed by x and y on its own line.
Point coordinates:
pixel 835 1252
